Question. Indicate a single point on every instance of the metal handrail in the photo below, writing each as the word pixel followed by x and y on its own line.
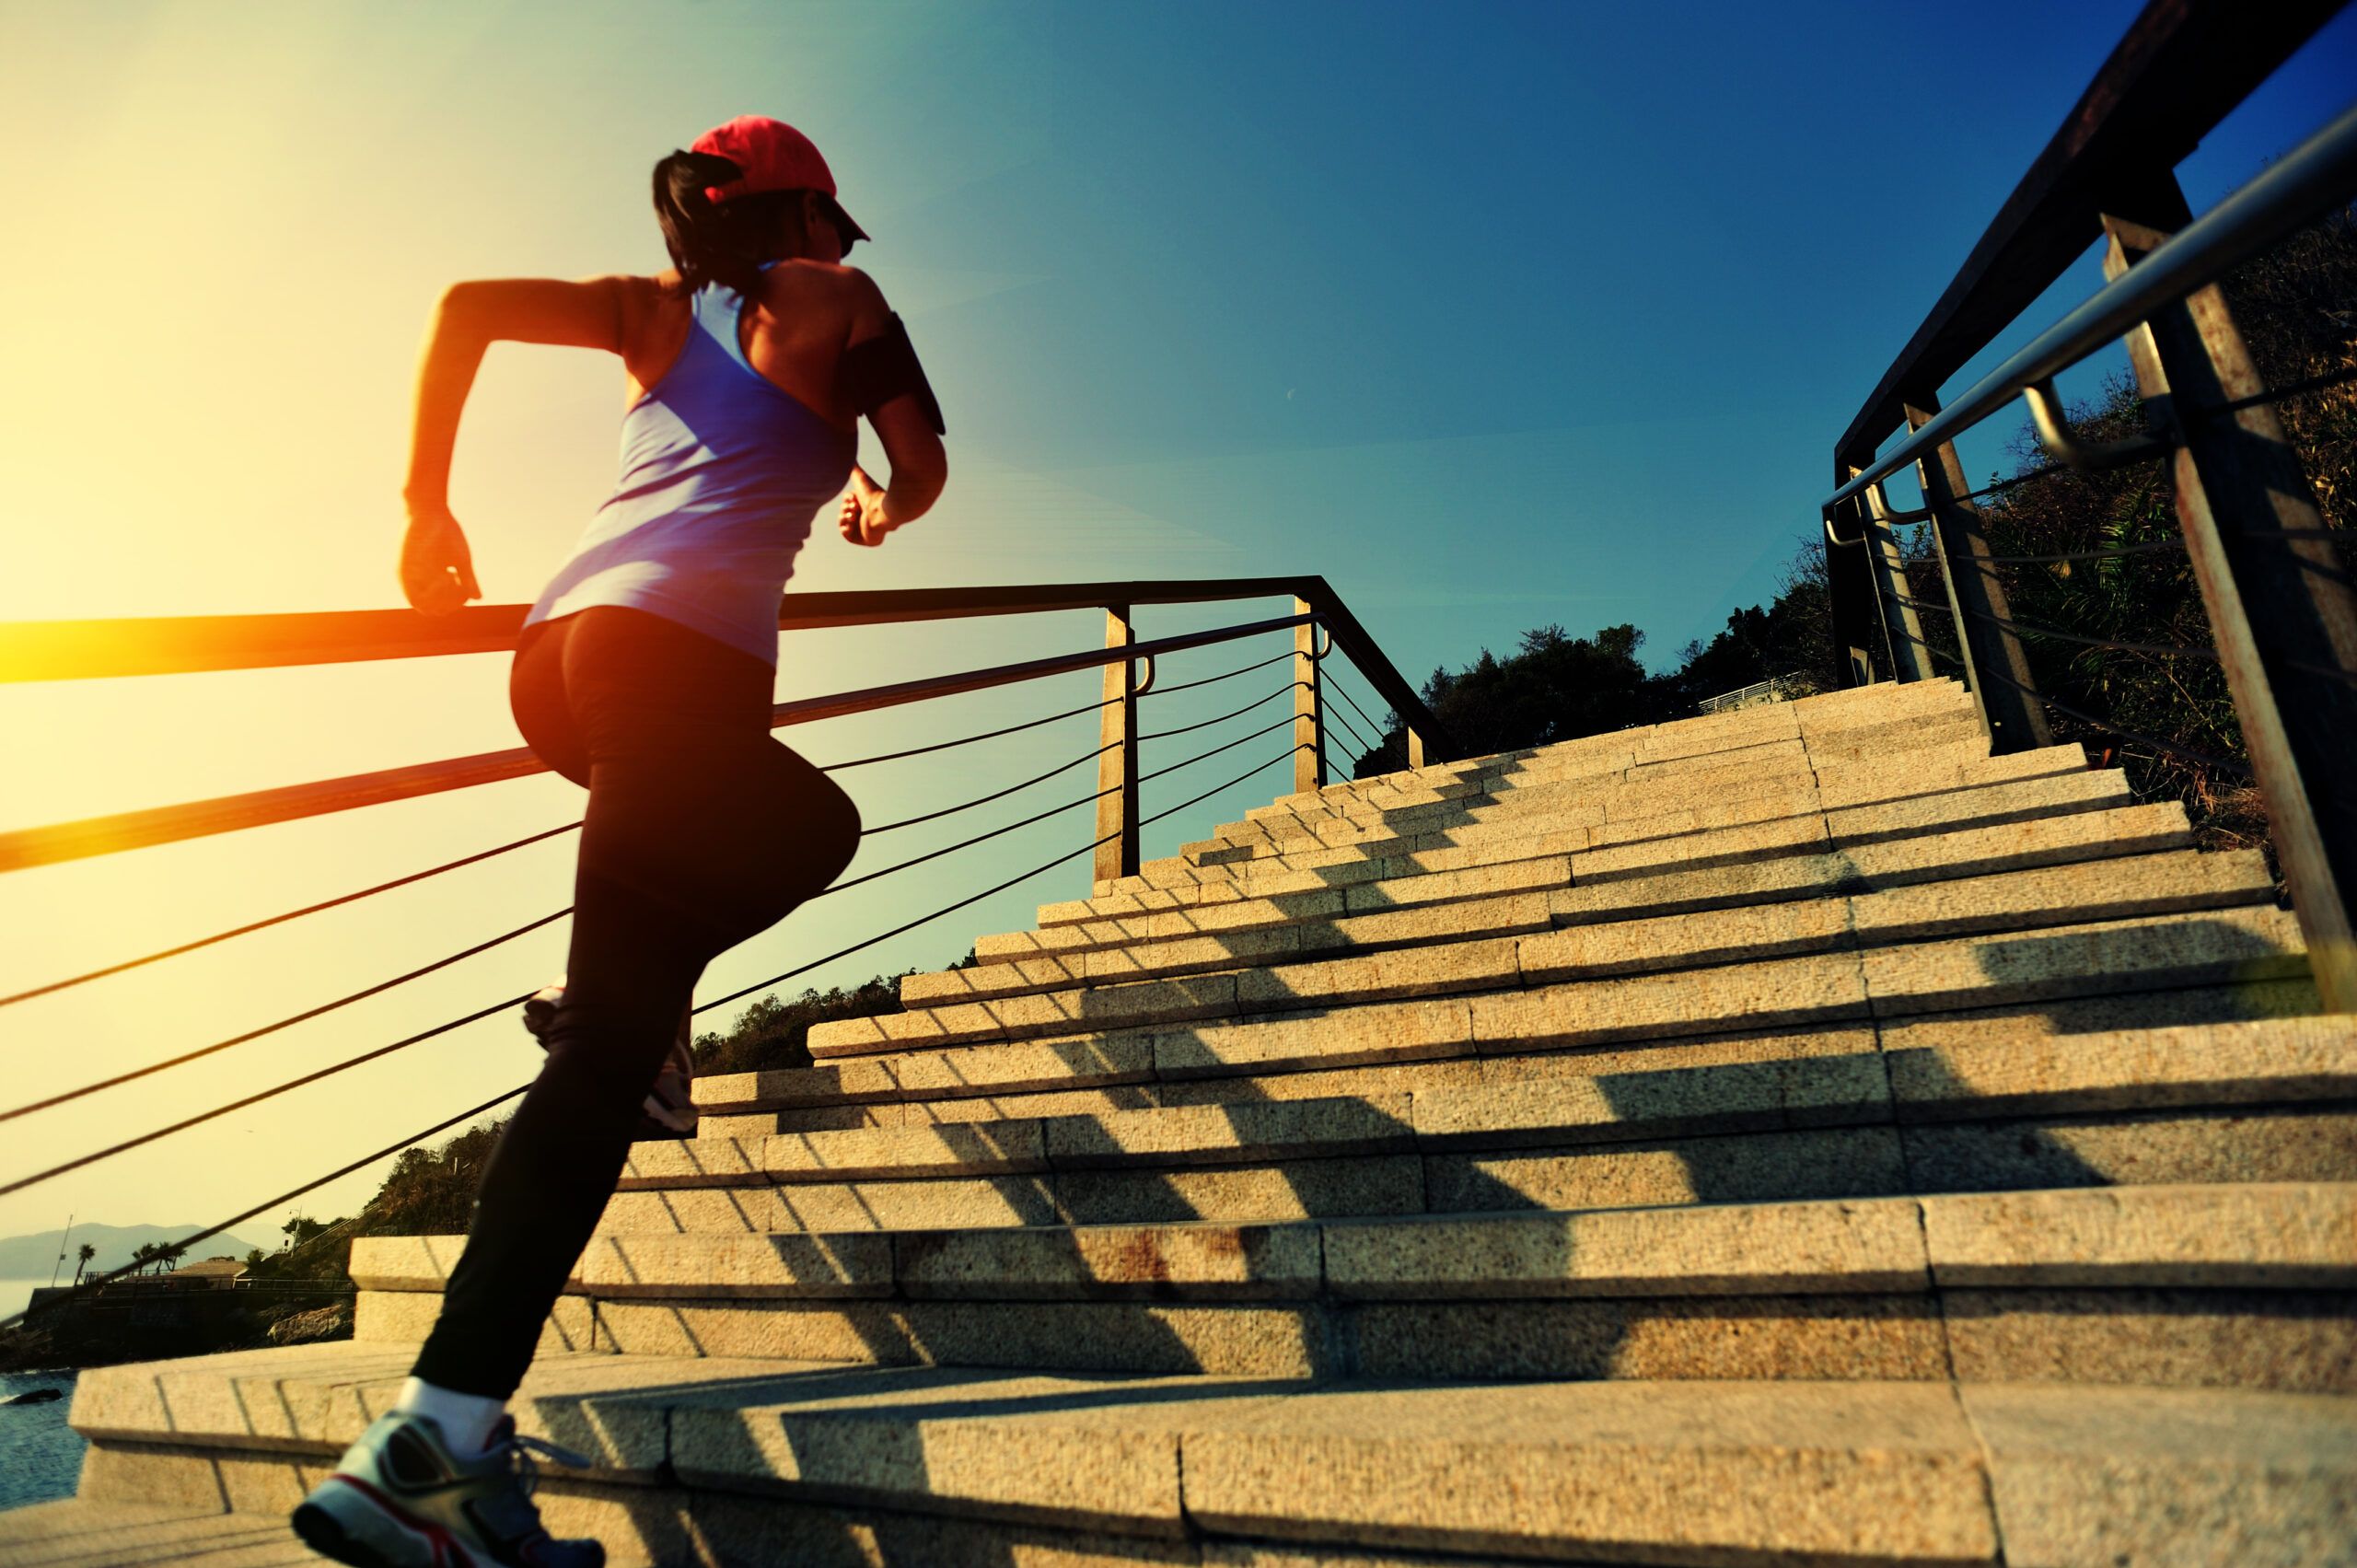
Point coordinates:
pixel 2321 173
pixel 168 824
pixel 187 644
pixel 2178 71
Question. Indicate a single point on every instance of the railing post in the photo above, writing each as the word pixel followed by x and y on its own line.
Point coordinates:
pixel 1911 658
pixel 2011 713
pixel 1117 765
pixel 2281 611
pixel 1308 717
pixel 1849 585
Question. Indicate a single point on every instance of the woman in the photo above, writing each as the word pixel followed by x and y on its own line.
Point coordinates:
pixel 646 672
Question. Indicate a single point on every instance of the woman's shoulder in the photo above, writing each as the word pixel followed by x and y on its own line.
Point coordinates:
pixel 826 285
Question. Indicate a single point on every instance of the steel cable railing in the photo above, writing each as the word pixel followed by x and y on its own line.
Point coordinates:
pixel 2172 747
pixel 272 1092
pixel 1001 795
pixel 1235 713
pixel 975 898
pixel 281 918
pixel 1979 668
pixel 570 827
pixel 87 1287
pixel 1357 739
pixel 971 739
pixel 2105 554
pixel 305 1016
pixel 2220 411
pixel 537 838
pixel 143 1139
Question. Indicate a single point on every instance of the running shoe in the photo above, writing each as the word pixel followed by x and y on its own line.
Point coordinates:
pixel 401 1499
pixel 670 1110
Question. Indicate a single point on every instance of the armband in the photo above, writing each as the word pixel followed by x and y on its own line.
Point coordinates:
pixel 872 374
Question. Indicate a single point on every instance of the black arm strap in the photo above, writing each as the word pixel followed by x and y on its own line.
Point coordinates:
pixel 872 374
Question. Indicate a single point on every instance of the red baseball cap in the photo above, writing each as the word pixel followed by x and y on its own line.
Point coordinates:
pixel 775 157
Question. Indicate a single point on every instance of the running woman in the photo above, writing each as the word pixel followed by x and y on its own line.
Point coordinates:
pixel 645 673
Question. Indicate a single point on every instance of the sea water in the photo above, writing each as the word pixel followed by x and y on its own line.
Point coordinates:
pixel 16 1294
pixel 40 1457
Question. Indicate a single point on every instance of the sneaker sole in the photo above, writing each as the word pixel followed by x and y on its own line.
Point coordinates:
pixel 392 1542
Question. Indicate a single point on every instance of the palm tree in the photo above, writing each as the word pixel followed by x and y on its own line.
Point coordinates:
pixel 83 1261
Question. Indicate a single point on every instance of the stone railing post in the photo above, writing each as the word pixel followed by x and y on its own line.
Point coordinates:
pixel 1117 765
pixel 1308 714
pixel 2282 614
pixel 1996 666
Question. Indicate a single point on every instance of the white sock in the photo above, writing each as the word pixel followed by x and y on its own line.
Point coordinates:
pixel 466 1420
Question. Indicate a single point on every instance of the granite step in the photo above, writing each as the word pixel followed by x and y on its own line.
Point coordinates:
pixel 1818 1115
pixel 1971 891
pixel 1601 760
pixel 1839 1077
pixel 77 1532
pixel 1600 854
pixel 857 1092
pixel 1688 970
pixel 1707 799
pixel 1569 829
pixel 1667 891
pixel 1824 1156
pixel 1856 1288
pixel 1182 886
pixel 2093 977
pixel 690 1456
pixel 1746 803
pixel 1891 719
pixel 2284 1236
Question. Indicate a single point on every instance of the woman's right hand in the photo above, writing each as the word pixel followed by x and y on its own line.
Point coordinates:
pixel 436 569
pixel 862 521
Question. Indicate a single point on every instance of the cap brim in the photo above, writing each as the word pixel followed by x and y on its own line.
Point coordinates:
pixel 846 224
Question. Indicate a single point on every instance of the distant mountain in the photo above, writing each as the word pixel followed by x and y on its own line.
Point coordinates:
pixel 33 1257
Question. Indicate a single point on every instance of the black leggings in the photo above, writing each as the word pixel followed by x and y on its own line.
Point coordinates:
pixel 700 831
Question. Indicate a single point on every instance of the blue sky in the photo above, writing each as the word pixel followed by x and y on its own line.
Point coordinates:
pixel 1496 315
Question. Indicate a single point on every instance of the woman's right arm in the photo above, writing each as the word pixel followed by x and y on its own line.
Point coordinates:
pixel 920 464
pixel 436 569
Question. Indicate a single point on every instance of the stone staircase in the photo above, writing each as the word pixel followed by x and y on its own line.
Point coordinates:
pixel 1786 1136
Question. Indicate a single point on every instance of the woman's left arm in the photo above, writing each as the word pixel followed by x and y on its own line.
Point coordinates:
pixel 436 569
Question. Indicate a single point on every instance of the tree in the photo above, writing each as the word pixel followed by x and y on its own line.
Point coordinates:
pixel 301 1229
pixel 82 1260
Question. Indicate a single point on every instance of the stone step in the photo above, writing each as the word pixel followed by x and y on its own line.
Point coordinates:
pixel 1655 744
pixel 702 1451
pixel 883 1091
pixel 1853 1288
pixel 1319 871
pixel 1647 891
pixel 2284 1236
pixel 1840 1079
pixel 1991 977
pixel 1810 1116
pixel 1611 765
pixel 1969 898
pixel 1583 826
pixel 1690 967
pixel 1863 1158
pixel 1611 801
pixel 103 1533
pixel 1566 833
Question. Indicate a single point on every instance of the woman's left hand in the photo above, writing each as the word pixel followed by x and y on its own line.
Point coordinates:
pixel 862 521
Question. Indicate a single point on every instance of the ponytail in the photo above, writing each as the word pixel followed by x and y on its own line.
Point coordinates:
pixel 718 242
